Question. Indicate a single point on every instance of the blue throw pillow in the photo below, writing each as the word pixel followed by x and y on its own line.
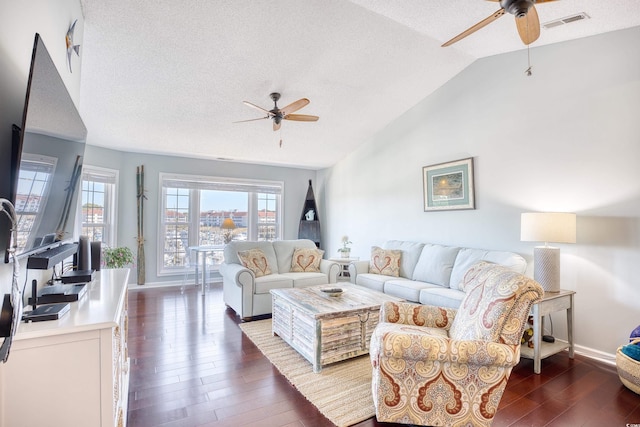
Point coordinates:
pixel 631 350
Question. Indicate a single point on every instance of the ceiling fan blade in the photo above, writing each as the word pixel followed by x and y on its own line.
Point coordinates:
pixel 476 27
pixel 301 118
pixel 251 120
pixel 276 126
pixel 529 26
pixel 248 104
pixel 294 106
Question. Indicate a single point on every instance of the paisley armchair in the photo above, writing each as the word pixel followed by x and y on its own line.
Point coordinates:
pixel 440 366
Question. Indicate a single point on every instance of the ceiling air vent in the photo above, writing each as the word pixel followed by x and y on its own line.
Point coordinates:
pixel 567 20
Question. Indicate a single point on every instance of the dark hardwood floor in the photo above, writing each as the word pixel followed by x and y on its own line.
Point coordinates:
pixel 192 366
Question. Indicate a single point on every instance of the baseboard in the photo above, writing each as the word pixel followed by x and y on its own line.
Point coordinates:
pixel 170 284
pixel 601 356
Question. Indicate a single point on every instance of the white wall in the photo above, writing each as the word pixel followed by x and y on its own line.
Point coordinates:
pixel 565 139
pixel 19 21
pixel 296 182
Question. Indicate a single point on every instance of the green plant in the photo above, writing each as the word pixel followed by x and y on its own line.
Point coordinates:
pixel 345 244
pixel 117 257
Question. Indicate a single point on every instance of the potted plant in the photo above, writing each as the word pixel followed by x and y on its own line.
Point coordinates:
pixel 117 257
pixel 345 250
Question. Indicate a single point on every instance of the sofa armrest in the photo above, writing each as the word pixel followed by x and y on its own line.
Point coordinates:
pixel 331 269
pixel 406 313
pixel 401 342
pixel 237 274
pixel 357 267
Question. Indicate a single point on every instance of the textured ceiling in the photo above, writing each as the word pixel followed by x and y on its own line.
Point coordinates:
pixel 169 77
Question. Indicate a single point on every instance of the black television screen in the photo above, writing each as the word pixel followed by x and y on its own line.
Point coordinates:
pixel 47 159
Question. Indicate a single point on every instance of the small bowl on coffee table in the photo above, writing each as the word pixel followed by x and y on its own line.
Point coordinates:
pixel 332 292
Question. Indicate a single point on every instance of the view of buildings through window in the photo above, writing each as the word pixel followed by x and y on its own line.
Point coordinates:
pixel 194 209
pixel 98 205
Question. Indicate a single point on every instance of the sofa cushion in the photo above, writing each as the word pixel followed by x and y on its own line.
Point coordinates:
pixel 441 297
pixel 273 281
pixel 306 260
pixel 385 261
pixel 283 250
pixel 256 261
pixel 410 255
pixel 435 264
pixel 496 299
pixel 467 257
pixel 405 288
pixel 302 280
pixel 372 281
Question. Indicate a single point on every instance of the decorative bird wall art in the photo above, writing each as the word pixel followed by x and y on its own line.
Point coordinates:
pixel 70 46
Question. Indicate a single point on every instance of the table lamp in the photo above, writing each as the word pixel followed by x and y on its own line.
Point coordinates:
pixel 547 227
pixel 228 225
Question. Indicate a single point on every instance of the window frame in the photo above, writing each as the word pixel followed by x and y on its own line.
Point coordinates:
pixel 196 183
pixel 110 209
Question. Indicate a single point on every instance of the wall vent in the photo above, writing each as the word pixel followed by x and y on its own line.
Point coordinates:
pixel 566 20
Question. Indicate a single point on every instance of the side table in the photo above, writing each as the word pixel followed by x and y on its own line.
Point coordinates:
pixel 550 303
pixel 201 256
pixel 343 274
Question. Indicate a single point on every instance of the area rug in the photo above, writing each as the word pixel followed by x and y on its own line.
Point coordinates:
pixel 341 391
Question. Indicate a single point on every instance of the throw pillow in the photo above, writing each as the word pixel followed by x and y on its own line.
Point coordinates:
pixel 385 261
pixel 306 260
pixel 256 261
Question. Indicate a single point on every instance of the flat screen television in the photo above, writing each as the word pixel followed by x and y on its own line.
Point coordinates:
pixel 47 156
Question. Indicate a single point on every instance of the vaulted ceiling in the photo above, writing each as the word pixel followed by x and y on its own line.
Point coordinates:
pixel 170 77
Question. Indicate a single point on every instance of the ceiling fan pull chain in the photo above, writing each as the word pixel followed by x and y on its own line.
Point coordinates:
pixel 528 70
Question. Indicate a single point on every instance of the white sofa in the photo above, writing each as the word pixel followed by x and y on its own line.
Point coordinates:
pixel 430 274
pixel 249 295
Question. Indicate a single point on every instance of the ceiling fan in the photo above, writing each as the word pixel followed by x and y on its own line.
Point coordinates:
pixel 526 20
pixel 278 114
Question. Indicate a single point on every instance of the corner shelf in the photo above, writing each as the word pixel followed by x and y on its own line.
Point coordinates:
pixel 310 229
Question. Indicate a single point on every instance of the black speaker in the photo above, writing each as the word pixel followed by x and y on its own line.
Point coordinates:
pixel 84 254
pixel 96 255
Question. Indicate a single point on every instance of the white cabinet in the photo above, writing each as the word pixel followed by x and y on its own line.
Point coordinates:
pixel 73 371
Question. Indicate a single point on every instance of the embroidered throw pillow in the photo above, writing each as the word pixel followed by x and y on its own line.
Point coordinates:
pixel 306 260
pixel 385 261
pixel 256 261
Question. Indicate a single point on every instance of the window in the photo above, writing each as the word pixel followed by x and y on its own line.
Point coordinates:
pixel 98 204
pixel 34 186
pixel 194 208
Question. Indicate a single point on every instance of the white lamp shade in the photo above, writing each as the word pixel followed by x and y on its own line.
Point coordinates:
pixel 557 227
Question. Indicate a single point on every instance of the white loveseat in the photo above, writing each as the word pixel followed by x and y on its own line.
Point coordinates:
pixel 249 295
pixel 430 274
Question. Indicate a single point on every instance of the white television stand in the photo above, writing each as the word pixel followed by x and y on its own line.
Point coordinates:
pixel 73 371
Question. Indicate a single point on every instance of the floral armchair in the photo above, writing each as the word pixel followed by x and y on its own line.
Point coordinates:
pixel 445 367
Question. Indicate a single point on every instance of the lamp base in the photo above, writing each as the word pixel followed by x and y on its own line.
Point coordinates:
pixel 546 268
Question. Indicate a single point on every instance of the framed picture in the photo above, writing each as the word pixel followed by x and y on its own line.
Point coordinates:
pixel 448 186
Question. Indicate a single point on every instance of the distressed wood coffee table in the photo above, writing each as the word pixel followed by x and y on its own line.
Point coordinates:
pixel 326 329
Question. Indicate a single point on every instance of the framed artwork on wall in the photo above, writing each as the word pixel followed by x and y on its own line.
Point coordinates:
pixel 448 186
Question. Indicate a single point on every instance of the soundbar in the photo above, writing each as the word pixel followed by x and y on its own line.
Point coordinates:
pixel 47 259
